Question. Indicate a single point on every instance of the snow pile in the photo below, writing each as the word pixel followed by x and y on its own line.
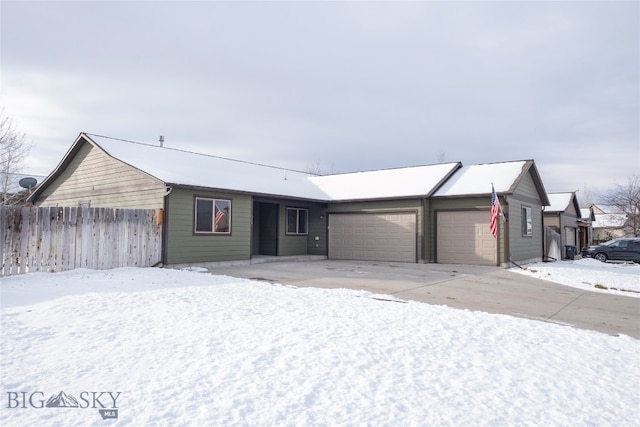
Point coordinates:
pixel 167 347
pixel 589 274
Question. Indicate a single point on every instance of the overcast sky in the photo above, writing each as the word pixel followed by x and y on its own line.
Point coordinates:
pixel 347 85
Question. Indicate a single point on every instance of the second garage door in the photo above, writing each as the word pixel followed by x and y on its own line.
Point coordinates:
pixel 464 238
pixel 373 237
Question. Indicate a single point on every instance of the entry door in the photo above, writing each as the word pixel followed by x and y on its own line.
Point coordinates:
pixel 268 229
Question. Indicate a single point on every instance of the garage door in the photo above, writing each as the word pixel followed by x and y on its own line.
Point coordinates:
pixel 464 238
pixel 375 237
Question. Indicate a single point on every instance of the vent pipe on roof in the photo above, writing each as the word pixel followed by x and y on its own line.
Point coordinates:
pixel 161 141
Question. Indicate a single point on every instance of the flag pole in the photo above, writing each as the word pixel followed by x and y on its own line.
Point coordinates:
pixel 499 204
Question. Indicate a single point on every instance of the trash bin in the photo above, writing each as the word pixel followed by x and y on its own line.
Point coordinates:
pixel 570 251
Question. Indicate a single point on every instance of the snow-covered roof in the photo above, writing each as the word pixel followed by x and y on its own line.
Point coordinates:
pixel 609 221
pixel 176 167
pixel 186 168
pixel 585 213
pixel 559 202
pixel 179 167
pixel 403 182
pixel 477 179
pixel 606 209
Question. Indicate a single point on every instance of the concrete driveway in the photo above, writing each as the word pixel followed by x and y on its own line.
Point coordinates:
pixel 477 288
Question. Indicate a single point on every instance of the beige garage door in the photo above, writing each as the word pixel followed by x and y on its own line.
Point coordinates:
pixel 374 237
pixel 464 238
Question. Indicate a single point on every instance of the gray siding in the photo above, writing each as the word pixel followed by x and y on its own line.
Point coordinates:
pixel 409 205
pixel 184 246
pixel 571 210
pixel 525 248
pixel 94 178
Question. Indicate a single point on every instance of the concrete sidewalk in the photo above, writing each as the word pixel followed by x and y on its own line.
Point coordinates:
pixel 477 288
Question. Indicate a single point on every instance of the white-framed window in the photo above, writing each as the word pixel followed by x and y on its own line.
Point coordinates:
pixel 527 222
pixel 297 221
pixel 212 216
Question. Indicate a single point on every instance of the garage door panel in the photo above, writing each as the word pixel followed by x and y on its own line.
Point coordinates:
pixel 463 237
pixel 374 237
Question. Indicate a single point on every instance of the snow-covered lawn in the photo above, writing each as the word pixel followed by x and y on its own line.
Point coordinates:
pixel 168 347
pixel 589 274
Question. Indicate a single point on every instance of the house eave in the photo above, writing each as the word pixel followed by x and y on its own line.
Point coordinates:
pixel 248 193
pixel 380 199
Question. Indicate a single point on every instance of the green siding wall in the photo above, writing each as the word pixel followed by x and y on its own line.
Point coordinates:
pixel 303 244
pixel 525 248
pixel 289 244
pixel 183 246
pixel 317 228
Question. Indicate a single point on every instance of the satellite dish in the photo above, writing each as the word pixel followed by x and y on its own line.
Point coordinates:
pixel 28 183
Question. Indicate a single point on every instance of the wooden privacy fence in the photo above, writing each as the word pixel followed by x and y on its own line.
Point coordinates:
pixel 58 239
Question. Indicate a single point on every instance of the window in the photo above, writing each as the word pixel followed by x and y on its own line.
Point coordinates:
pixel 213 216
pixel 620 244
pixel 527 223
pixel 297 221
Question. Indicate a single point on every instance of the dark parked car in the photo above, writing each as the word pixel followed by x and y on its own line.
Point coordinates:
pixel 627 249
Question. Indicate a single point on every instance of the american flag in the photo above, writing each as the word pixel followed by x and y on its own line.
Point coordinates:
pixel 495 211
pixel 219 216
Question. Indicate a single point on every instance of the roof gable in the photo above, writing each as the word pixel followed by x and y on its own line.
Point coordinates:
pixel 562 202
pixel 587 214
pixel 504 177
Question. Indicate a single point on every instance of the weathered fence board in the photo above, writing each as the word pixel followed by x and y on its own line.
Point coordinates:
pixel 58 239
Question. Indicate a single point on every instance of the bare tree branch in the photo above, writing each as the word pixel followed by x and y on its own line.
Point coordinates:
pixel 14 149
pixel 316 168
pixel 626 199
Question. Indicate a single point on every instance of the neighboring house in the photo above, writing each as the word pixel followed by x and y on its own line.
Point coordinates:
pixel 608 224
pixel 585 224
pixel 223 210
pixel 564 217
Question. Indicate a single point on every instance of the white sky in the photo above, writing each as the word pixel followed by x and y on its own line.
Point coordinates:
pixel 349 85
